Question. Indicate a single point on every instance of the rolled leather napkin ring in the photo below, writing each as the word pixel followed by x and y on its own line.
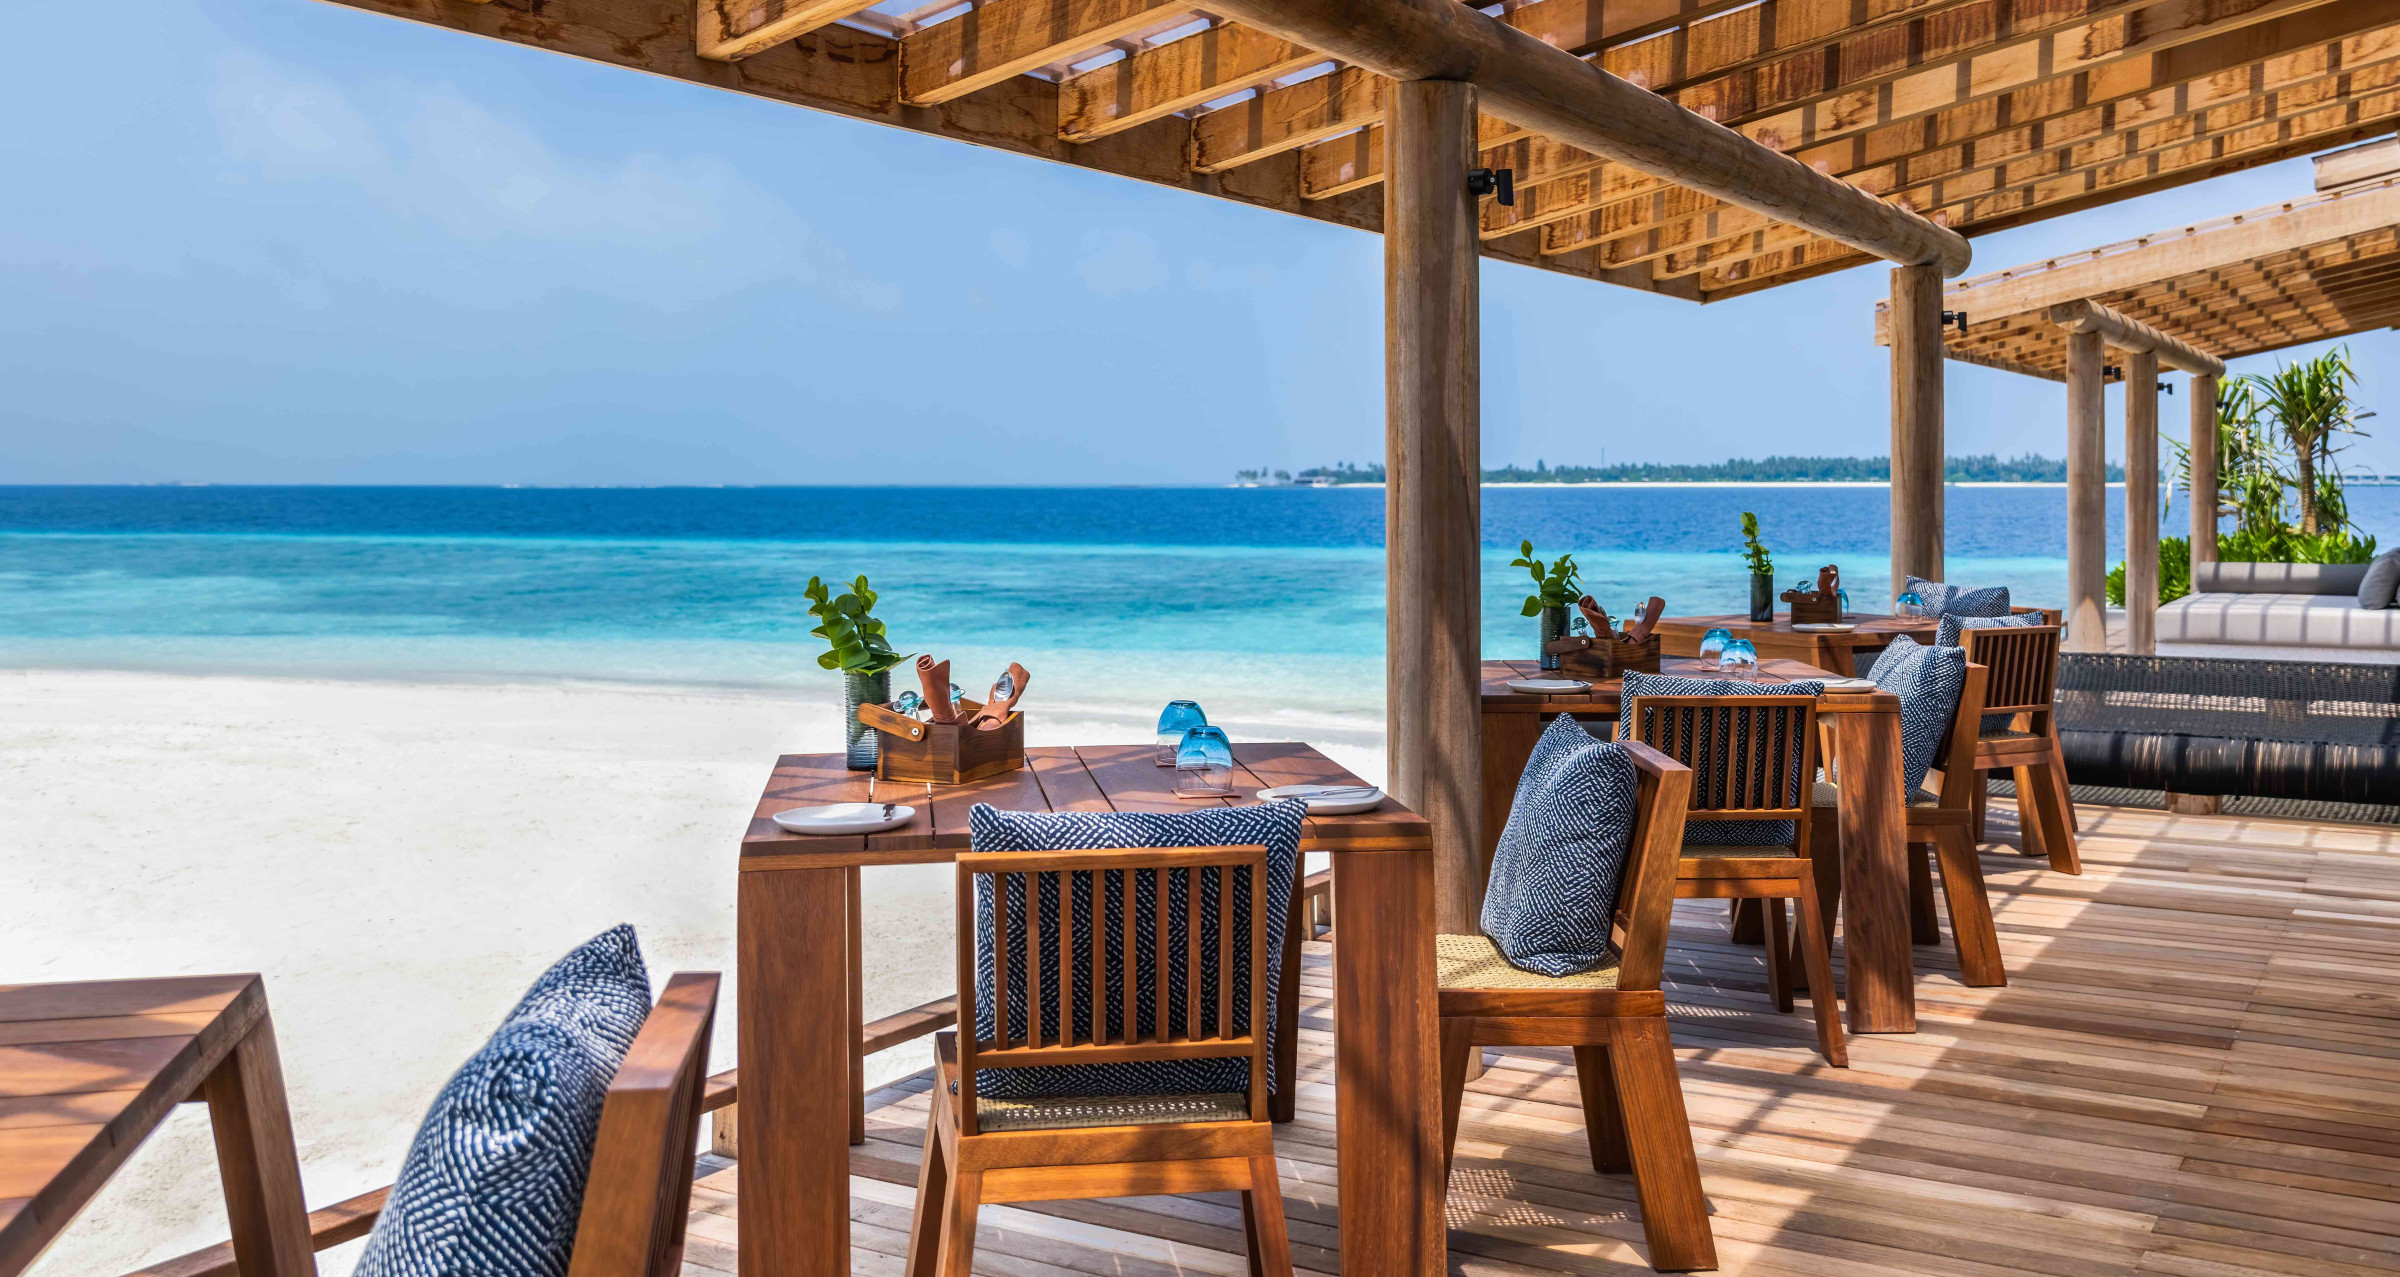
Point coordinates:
pixel 935 675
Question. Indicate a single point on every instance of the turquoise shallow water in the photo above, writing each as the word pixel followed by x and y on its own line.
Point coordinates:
pixel 1256 594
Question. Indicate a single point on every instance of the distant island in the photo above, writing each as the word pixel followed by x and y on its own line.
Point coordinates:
pixel 1987 468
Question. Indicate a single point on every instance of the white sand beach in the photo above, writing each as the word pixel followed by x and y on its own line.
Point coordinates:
pixel 400 860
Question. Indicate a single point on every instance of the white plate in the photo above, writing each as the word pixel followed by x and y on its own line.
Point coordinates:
pixel 1828 627
pixel 1849 685
pixel 1548 686
pixel 1341 800
pixel 845 818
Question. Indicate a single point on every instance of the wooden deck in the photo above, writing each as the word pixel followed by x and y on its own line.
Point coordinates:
pixel 2195 1071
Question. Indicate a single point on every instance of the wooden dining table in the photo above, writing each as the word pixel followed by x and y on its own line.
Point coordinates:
pixel 88 1070
pixel 1875 921
pixel 798 1006
pixel 1780 639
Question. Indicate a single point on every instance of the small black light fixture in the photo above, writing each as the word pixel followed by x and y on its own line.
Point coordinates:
pixel 1955 317
pixel 1488 181
pixel 2111 370
pixel 2166 387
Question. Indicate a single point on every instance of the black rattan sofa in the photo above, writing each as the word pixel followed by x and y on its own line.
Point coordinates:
pixel 2309 730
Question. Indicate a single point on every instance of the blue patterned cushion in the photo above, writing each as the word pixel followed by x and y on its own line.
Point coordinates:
pixel 1718 833
pixel 1561 858
pixel 1928 681
pixel 1950 600
pixel 493 1181
pixel 1947 633
pixel 1275 826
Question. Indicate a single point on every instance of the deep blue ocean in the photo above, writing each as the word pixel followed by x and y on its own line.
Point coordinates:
pixel 701 586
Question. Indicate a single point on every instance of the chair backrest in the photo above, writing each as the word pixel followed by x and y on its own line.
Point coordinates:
pixel 640 1189
pixel 2023 661
pixel 1646 891
pixel 1958 746
pixel 1751 757
pixel 1071 892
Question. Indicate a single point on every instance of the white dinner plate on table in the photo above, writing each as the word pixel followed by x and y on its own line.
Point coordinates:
pixel 1548 686
pixel 845 818
pixel 1328 800
pixel 1827 627
pixel 1849 685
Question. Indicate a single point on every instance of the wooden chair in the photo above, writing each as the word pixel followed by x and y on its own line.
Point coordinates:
pixel 2024 680
pixel 1940 820
pixel 1615 1018
pixel 1753 758
pixel 981 1150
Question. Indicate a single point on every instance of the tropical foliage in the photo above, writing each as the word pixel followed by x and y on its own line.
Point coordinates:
pixel 1554 584
pixel 1752 549
pixel 854 639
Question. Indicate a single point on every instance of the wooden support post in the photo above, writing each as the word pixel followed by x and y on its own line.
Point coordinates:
pixel 2141 503
pixel 1917 447
pixel 2204 471
pixel 1433 459
pixel 2087 495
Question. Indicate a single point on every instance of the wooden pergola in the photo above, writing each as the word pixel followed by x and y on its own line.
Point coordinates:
pixel 2313 269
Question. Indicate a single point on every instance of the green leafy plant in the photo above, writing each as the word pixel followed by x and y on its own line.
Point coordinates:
pixel 1752 550
pixel 2174 572
pixel 1554 584
pixel 853 637
pixel 2309 404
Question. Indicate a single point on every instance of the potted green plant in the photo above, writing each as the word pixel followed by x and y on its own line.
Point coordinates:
pixel 1556 586
pixel 1762 571
pixel 855 645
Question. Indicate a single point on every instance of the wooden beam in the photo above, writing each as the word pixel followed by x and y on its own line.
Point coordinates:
pixel 2087 496
pixel 1002 39
pixel 1535 86
pixel 2203 450
pixel 2124 333
pixel 1433 458
pixel 730 30
pixel 2141 503
pixel 1917 445
pixel 1175 76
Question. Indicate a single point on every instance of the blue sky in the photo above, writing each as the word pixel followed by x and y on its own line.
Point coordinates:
pixel 289 242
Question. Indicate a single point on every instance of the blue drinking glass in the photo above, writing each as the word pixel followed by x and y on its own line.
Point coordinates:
pixel 1909 604
pixel 1712 646
pixel 1173 721
pixel 1204 764
pixel 1841 600
pixel 1740 661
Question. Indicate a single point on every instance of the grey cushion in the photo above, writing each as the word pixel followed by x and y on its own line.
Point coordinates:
pixel 1928 681
pixel 493 1182
pixel 1950 600
pixel 1561 857
pixel 2381 584
pixel 2278 578
pixel 1948 631
pixel 1275 826
pixel 1746 833
pixel 2280 620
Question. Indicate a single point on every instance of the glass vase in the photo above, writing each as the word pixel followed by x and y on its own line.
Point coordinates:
pixel 1762 596
pixel 860 744
pixel 1554 626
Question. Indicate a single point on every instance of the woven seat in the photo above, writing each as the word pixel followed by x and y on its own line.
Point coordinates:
pixel 1691 852
pixel 1064 1112
pixel 1830 795
pixel 1474 962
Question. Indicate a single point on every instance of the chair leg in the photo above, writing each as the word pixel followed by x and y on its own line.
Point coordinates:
pixel 1747 925
pixel 2056 808
pixel 1603 1114
pixel 2030 797
pixel 958 1223
pixel 1824 1001
pixel 1282 1101
pixel 933 1201
pixel 1262 1221
pixel 1922 927
pixel 1978 797
pixel 1658 1138
pixel 1458 1042
pixel 1970 910
pixel 1779 950
pixel 2058 768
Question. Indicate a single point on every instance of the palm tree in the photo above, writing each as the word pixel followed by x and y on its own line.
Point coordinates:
pixel 2309 404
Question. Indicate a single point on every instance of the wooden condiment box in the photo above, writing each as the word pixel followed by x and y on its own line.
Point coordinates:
pixel 1813 608
pixel 1605 659
pixel 944 753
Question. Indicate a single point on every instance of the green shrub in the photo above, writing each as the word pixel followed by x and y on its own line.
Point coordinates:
pixel 2175 557
pixel 2174 572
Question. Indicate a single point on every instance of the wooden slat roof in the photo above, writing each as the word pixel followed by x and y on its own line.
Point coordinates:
pixel 1981 114
pixel 2309 270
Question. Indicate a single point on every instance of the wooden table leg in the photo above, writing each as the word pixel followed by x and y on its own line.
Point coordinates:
pixel 1875 916
pixel 858 1011
pixel 1387 1100
pixel 257 1160
pixel 795 1047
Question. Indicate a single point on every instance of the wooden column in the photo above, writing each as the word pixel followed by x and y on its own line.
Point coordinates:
pixel 1433 460
pixel 2141 502
pixel 2204 469
pixel 2087 495
pixel 1916 424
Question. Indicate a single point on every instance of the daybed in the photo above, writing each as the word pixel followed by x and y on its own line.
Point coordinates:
pixel 2310 610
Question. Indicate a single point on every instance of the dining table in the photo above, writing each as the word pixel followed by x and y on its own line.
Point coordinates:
pixel 1874 914
pixel 1825 645
pixel 798 1018
pixel 89 1069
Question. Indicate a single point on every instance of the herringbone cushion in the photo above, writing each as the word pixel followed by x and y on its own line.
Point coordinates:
pixel 493 1182
pixel 1561 857
pixel 1950 600
pixel 1275 826
pixel 1928 681
pixel 1754 833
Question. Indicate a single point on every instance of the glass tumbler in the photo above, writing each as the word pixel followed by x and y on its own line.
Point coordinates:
pixel 1204 764
pixel 1712 647
pixel 1173 721
pixel 1740 661
pixel 1909 604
